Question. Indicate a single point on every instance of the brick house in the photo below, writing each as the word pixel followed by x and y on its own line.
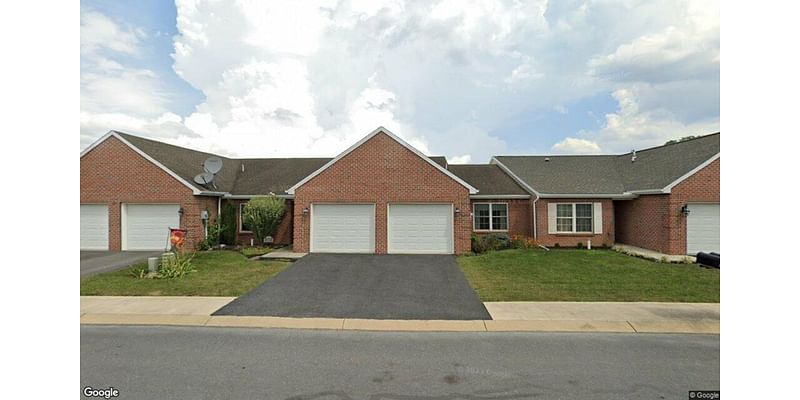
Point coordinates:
pixel 384 196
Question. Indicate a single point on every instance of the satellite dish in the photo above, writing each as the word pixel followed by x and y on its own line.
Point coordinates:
pixel 212 164
pixel 204 178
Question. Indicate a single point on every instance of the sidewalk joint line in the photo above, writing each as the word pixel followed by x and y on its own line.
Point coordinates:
pixel 632 327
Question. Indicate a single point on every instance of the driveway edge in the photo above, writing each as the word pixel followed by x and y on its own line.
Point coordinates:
pixel 339 324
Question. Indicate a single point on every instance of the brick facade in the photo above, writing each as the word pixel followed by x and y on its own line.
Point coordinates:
pixel 382 171
pixel 572 239
pixel 283 235
pixel 656 222
pixel 112 173
pixel 520 216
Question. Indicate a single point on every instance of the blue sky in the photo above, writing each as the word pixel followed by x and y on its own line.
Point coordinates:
pixel 461 79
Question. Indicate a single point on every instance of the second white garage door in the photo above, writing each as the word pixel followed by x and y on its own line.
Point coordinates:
pixel 146 226
pixel 420 228
pixel 702 228
pixel 343 228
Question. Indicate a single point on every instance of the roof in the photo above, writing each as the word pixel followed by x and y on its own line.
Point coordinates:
pixel 260 176
pixel 488 178
pixel 654 169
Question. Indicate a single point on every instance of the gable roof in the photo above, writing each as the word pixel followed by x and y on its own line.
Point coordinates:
pixel 472 190
pixel 656 169
pixel 489 178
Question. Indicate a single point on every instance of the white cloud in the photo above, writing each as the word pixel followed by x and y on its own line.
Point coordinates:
pixel 303 78
pixel 576 146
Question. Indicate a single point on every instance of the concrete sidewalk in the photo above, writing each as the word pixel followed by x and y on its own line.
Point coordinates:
pixel 507 317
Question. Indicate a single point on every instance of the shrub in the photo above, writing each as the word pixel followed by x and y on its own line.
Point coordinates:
pixel 212 239
pixel 490 242
pixel 523 242
pixel 579 245
pixel 228 223
pixel 556 245
pixel 263 214
pixel 176 267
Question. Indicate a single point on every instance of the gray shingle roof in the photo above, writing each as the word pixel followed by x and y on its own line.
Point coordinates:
pixel 275 175
pixel 655 168
pixel 489 179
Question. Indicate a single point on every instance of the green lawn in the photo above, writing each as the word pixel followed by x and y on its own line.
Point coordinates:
pixel 219 273
pixel 585 275
pixel 255 251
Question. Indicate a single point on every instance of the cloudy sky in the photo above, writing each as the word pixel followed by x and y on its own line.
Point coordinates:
pixel 464 79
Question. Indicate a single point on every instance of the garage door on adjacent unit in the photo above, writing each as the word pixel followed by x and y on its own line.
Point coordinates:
pixel 420 228
pixel 94 227
pixel 702 228
pixel 343 228
pixel 146 226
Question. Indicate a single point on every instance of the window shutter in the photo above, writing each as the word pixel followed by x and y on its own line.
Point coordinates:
pixel 551 218
pixel 598 217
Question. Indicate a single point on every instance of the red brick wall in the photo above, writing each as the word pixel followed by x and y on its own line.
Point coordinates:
pixel 655 221
pixel 112 173
pixel 284 231
pixel 572 239
pixel 519 216
pixel 382 171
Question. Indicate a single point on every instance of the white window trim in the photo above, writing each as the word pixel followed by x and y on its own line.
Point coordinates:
pixel 241 218
pixel 475 229
pixel 575 219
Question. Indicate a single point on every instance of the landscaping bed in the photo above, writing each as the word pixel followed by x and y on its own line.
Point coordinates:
pixel 218 273
pixel 585 275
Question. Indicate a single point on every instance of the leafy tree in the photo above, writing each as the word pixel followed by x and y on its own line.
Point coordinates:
pixel 263 214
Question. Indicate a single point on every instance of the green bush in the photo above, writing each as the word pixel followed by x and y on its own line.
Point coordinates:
pixel 212 239
pixel 228 224
pixel 263 214
pixel 171 265
pixel 490 242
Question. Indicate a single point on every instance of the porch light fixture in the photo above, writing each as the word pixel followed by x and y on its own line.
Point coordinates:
pixel 180 211
pixel 458 210
pixel 305 210
pixel 685 210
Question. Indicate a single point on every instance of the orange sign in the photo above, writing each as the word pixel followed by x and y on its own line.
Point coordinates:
pixel 177 237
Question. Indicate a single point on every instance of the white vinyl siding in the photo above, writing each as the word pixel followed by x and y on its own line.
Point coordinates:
pixel 343 228
pixel 702 228
pixel 94 227
pixel 490 217
pixel 574 218
pixel 146 226
pixel 420 228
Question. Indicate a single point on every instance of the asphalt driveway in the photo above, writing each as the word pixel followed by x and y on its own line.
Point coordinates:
pixel 365 286
pixel 95 262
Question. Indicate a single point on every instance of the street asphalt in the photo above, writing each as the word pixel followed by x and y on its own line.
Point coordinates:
pixel 239 363
pixel 96 262
pixel 365 286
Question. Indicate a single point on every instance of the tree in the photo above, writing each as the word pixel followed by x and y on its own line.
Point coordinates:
pixel 263 214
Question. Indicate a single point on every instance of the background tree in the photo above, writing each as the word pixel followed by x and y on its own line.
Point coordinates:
pixel 263 214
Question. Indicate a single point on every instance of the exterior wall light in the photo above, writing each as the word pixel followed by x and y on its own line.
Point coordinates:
pixel 305 210
pixel 685 210
pixel 458 210
pixel 180 211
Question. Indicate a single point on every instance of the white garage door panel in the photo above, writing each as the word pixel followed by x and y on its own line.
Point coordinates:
pixel 147 225
pixel 343 228
pixel 94 227
pixel 702 228
pixel 421 228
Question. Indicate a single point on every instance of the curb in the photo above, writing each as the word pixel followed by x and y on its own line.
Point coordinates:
pixel 339 324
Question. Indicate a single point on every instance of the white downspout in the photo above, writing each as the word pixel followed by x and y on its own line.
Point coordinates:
pixel 535 222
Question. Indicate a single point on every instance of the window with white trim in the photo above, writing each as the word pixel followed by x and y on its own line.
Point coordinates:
pixel 574 218
pixel 490 216
pixel 243 227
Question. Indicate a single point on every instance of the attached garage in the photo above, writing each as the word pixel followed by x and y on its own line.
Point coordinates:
pixel 94 227
pixel 420 228
pixel 343 228
pixel 702 228
pixel 146 226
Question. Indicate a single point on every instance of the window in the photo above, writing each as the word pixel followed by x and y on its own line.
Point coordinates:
pixel 574 218
pixel 490 216
pixel 243 227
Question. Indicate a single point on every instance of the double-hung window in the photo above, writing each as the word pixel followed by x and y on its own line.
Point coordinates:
pixel 490 216
pixel 574 218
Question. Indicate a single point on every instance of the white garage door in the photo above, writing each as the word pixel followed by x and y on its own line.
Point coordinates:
pixel 146 226
pixel 343 228
pixel 94 227
pixel 421 228
pixel 702 228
